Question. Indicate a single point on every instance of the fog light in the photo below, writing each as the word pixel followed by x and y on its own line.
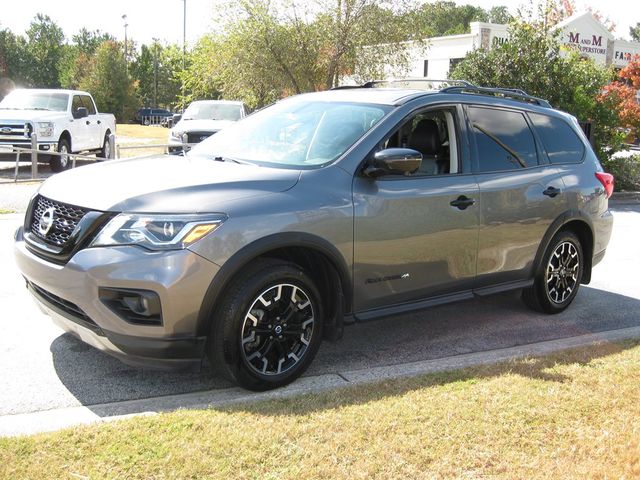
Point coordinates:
pixel 44 147
pixel 140 307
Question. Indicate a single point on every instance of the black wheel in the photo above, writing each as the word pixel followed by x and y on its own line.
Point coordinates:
pixel 105 152
pixel 558 276
pixel 268 328
pixel 60 163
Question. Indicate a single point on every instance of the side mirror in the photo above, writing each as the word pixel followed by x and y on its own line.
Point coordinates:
pixel 394 161
pixel 81 112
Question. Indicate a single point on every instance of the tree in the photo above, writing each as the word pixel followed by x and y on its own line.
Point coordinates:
pixel 623 94
pixel 77 57
pixel 45 45
pixel 533 61
pixel 499 14
pixel 634 32
pixel 13 64
pixel 108 82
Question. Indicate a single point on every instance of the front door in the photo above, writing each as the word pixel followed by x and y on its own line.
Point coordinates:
pixel 416 236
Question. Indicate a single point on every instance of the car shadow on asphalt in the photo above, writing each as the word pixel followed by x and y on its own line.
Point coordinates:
pixel 483 324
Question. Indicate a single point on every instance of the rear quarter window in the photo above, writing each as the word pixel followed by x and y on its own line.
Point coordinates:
pixel 560 140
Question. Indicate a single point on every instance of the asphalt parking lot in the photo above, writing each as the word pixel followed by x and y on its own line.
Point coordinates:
pixel 43 368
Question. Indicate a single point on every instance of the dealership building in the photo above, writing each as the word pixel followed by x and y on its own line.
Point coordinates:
pixel 582 31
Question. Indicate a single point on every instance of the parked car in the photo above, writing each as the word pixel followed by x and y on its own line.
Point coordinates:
pixel 65 121
pixel 152 116
pixel 321 210
pixel 202 119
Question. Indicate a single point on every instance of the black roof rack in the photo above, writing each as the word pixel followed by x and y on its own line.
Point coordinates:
pixel 396 81
pixel 457 86
pixel 510 93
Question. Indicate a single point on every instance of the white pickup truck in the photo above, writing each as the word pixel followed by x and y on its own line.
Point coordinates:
pixel 64 121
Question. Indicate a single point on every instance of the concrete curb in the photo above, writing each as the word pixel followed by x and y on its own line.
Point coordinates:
pixel 51 420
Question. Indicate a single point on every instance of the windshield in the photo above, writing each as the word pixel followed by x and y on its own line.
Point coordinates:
pixel 294 133
pixel 31 100
pixel 213 111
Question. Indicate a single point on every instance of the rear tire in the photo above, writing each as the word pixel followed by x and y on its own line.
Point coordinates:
pixel 558 276
pixel 60 163
pixel 268 328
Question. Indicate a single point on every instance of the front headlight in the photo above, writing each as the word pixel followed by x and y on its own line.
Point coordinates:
pixel 45 129
pixel 157 231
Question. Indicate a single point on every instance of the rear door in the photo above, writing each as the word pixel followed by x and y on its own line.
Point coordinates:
pixel 410 241
pixel 521 194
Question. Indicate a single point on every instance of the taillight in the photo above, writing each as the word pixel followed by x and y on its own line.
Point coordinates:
pixel 606 179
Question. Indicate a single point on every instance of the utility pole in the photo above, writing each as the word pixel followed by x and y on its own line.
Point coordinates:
pixel 126 61
pixel 184 48
pixel 155 72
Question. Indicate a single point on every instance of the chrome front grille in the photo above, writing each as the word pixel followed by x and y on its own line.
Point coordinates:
pixel 15 131
pixel 65 219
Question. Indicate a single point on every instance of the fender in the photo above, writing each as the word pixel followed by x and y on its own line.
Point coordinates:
pixel 555 227
pixel 262 246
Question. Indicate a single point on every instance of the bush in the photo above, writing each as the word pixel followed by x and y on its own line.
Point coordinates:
pixel 626 170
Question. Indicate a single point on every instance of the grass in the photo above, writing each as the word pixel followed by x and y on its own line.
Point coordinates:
pixel 4 211
pixel 570 415
pixel 140 134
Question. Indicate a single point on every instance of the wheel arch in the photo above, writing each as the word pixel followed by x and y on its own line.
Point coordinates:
pixel 581 225
pixel 66 135
pixel 319 258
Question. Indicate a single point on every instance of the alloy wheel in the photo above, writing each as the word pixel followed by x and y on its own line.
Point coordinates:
pixel 562 272
pixel 277 329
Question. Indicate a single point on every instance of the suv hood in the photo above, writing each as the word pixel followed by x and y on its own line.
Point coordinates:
pixel 165 184
pixel 29 115
pixel 201 125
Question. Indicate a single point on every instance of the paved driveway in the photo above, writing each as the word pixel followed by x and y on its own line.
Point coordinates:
pixel 42 368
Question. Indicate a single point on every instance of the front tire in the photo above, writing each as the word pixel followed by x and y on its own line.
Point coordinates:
pixel 61 163
pixel 268 328
pixel 558 276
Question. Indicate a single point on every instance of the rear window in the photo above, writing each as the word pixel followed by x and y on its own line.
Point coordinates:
pixel 560 140
pixel 503 138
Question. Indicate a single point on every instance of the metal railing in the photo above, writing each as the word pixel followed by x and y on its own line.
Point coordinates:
pixel 114 152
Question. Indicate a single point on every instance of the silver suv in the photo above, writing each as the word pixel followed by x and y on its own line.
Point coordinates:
pixel 321 210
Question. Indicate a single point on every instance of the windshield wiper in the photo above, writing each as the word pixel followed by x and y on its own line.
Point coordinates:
pixel 39 108
pixel 219 158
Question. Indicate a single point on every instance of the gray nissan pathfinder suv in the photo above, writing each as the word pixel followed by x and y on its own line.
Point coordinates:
pixel 323 209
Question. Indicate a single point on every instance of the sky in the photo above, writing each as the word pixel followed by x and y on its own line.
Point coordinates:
pixel 163 19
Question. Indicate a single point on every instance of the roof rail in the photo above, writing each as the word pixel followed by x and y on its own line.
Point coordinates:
pixel 400 81
pixel 510 93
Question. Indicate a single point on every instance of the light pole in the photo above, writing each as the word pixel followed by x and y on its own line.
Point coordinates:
pixel 126 62
pixel 184 48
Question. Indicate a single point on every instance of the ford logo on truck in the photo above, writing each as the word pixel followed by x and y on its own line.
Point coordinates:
pixel 5 130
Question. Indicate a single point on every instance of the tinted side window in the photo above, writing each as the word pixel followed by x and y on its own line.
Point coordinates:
pixel 503 138
pixel 86 100
pixel 560 140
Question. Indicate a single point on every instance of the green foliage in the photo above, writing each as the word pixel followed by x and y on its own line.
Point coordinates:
pixel 156 70
pixel 45 45
pixel 626 171
pixel 634 32
pixel 107 80
pixel 13 61
pixel 446 18
pixel 532 60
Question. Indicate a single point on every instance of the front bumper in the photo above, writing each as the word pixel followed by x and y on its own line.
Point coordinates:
pixel 69 294
pixel 6 147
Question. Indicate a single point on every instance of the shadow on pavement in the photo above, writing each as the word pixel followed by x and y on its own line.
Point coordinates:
pixel 484 324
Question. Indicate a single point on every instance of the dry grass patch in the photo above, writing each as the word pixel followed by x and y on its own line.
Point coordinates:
pixel 570 415
pixel 142 131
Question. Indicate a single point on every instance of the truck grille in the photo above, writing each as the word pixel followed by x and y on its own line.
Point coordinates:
pixel 11 131
pixel 64 218
pixel 197 137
